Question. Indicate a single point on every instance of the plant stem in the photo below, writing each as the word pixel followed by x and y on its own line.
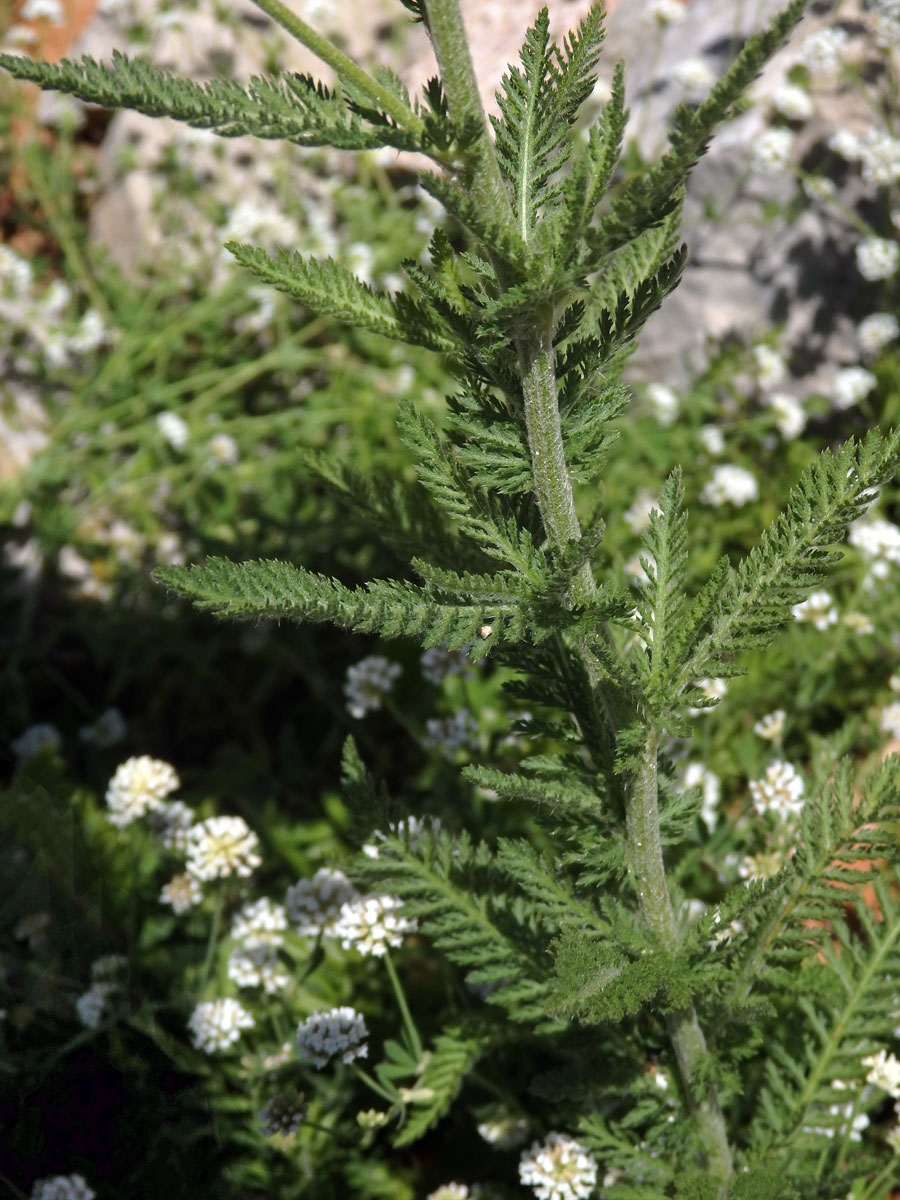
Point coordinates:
pixel 649 873
pixel 347 70
pixel 409 1025
pixel 212 943
pixel 451 48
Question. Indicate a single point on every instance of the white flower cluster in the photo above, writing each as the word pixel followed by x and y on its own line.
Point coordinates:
pixel 693 75
pixel 220 847
pixel 637 518
pixel 257 965
pixel 792 102
pixel 817 610
pixel 840 1114
pixel 368 682
pixel 339 1031
pixel 438 662
pixel 877 258
pixel 850 385
pixel 823 52
pixel 772 150
pixel 62 1187
pixel 696 775
pixel 559 1168
pixel 181 893
pixel 663 402
pixel 283 1114
pixel 260 921
pixel 173 429
pixel 36 738
pixel 878 541
pixel 876 331
pixel 779 791
pixel 314 905
pixel 171 821
pixel 371 924
pixel 760 866
pixel 770 367
pixel 666 12
pixel 139 785
pixel 790 416
pixel 730 485
pixel 889 720
pixel 450 734
pixel 504 1130
pixel 884 1072
pixel 771 726
pixel 215 1025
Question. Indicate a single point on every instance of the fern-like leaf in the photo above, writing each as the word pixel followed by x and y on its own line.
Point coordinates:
pixel 454 1054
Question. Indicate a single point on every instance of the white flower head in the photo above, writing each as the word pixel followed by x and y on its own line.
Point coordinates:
pixel 107 730
pixel 889 720
pixel 504 1130
pixel 256 964
pixel 884 1072
pixel 171 821
pixel 730 485
pixel 138 786
pixel 35 739
pixel 876 539
pixel 823 51
pixel 15 274
pixel 181 893
pixel 711 689
pixel 663 402
pixel 438 662
pixel 845 144
pixel 450 734
pixel 817 610
pixel 666 12
pixel 220 847
pixel 771 726
pixel 712 439
pixel 769 365
pixel 756 867
pixel 283 1114
pixel 223 449
pixel 62 1187
pixel 792 102
pixel 450 1191
pixel 876 331
pixel 339 1031
pixel 370 924
pixel 858 622
pixel 559 1168
pixel 215 1025
pixel 851 384
pixel 637 518
pixel 173 429
pixel 314 905
pixel 696 775
pixel 779 791
pixel 877 258
pixel 260 921
pixel 43 10
pixel 880 158
pixel 368 682
pixel 790 416
pixel 772 151
pixel 91 1005
pixel 694 75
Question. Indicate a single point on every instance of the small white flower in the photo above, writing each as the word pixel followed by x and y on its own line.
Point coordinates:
pixel 694 75
pixel 450 734
pixel 35 739
pixel 504 1130
pixel 884 1072
pixel 637 518
pixel 877 258
pixel 62 1187
pixel 139 785
pixel 108 966
pixel 780 790
pixel 730 485
pixel 171 822
pixel 223 449
pixel 756 867
pixel 181 893
pixel 409 829
pixel 256 964
pixel 876 331
pixel 43 10
pixel 880 158
pixel 818 610
pixel 260 921
pixel 792 102
pixel 283 1114
pixel 889 720
pixel 711 689
pixel 216 1025
pixel 769 365
pixel 823 52
pixel 789 415
pixel 858 623
pixel 666 12
pixel 712 439
pixel 819 187
pixel 90 335
pixel 220 847
pixel 877 540
pixel 851 384
pixel 696 775
pixel 559 1168
pixel 438 662
pixel 314 905
pixel 663 402
pixel 15 274
pixel 772 151
pixel 339 1031
pixel 91 1005
pixel 107 730
pixel 449 1191
pixel 368 682
pixel 370 924
pixel 846 144
pixel 173 429
pixel 771 726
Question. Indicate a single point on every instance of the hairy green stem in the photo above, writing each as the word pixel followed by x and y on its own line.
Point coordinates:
pixel 451 49
pixel 685 1034
pixel 348 71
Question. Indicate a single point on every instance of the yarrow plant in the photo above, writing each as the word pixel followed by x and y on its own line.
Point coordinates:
pixel 728 1039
